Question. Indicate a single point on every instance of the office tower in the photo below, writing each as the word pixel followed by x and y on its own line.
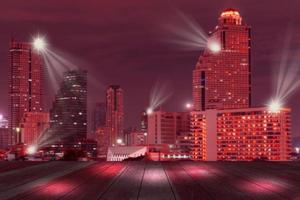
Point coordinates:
pixel 33 126
pixel 68 116
pixel 222 76
pixel 241 134
pixel 98 116
pixel 25 84
pixel 114 114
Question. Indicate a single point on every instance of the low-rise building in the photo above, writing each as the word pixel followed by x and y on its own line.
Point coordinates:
pixel 241 134
pixel 120 153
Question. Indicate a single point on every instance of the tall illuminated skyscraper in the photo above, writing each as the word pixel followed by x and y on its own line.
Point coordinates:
pixel 68 116
pixel 25 84
pixel 114 113
pixel 222 77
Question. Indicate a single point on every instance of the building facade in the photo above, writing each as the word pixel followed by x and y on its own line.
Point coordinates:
pixel 33 125
pixel 241 134
pixel 68 116
pixel 165 127
pixel 102 138
pixel 222 76
pixel 25 84
pixel 115 113
pixel 4 137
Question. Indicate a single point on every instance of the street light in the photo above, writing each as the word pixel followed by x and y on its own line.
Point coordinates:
pixel 18 130
pixel 188 105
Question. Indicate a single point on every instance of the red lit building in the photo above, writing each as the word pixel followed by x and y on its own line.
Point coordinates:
pixel 25 84
pixel 241 134
pixel 222 76
pixel 114 113
pixel 33 126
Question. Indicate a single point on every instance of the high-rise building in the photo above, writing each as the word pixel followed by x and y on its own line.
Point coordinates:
pixel 25 84
pixel 98 116
pixel 241 134
pixel 33 125
pixel 68 116
pixel 114 113
pixel 222 76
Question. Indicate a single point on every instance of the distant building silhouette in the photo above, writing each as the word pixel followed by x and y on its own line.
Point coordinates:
pixel 114 113
pixel 98 116
pixel 68 116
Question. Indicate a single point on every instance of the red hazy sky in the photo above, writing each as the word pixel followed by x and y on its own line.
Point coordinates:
pixel 123 42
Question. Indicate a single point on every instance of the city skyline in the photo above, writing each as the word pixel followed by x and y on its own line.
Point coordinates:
pixel 150 99
pixel 160 61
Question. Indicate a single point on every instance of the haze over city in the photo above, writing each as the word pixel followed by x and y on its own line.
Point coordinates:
pixel 120 41
pixel 149 100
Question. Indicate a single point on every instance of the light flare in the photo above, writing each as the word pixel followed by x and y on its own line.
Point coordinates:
pixel 159 94
pixel 39 44
pixel 149 111
pixel 275 106
pixel 287 73
pixel 214 46
pixel 32 149
pixel 185 32
pixel 188 105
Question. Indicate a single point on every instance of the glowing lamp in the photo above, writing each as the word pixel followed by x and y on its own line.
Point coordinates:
pixel 149 111
pixel 214 46
pixel 31 149
pixel 274 106
pixel 39 44
pixel 188 105
pixel 119 141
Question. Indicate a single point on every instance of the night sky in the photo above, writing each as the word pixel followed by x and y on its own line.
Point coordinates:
pixel 124 42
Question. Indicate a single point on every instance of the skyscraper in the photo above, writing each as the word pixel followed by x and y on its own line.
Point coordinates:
pixel 25 84
pixel 68 116
pixel 114 113
pixel 224 126
pixel 222 77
